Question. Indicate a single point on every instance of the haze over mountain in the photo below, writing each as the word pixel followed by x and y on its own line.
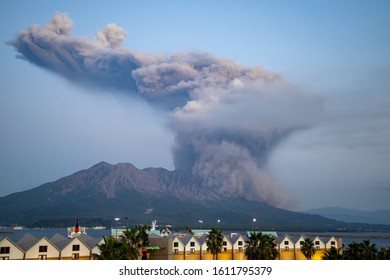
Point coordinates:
pixel 105 191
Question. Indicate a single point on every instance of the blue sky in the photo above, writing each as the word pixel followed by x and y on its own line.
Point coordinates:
pixel 339 50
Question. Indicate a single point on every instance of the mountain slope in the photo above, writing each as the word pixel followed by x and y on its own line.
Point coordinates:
pixel 105 191
pixel 353 216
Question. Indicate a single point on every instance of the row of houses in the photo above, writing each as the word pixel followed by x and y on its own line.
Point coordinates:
pixel 184 246
pixel 57 247
pixel 178 246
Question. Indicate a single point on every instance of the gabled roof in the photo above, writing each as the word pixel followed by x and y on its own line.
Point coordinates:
pixel 233 239
pixel 178 238
pixel 90 241
pixel 296 238
pixel 12 242
pixel 186 239
pixel 322 239
pixel 60 241
pixel 329 238
pixel 28 240
pixel 280 239
pixel 202 239
pixel 227 238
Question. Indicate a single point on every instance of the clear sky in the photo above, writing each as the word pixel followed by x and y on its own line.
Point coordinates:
pixel 338 50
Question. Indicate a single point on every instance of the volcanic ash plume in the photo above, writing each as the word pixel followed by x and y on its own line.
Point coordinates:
pixel 226 117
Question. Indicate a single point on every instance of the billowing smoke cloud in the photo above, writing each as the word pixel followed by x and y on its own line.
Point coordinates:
pixel 226 117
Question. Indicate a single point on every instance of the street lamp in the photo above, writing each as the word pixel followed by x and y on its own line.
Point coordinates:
pixel 218 223
pixel 116 228
pixel 200 224
pixel 253 223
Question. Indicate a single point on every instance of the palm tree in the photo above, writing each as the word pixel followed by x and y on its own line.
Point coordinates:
pixel 132 242
pixel 128 247
pixel 308 249
pixel 261 247
pixel 354 251
pixel 384 254
pixel 368 250
pixel 215 242
pixel 361 251
pixel 111 249
pixel 142 232
pixel 333 254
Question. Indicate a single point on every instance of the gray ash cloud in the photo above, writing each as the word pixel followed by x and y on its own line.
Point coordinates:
pixel 226 117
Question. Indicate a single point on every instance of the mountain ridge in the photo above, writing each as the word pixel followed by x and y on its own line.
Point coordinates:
pixel 104 191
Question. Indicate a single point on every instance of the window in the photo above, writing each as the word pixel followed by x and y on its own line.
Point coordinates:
pixel 176 251
pixel 317 242
pixel 42 257
pixel 240 249
pixel 175 244
pixel 224 243
pixel 192 250
pixel 5 250
pixel 286 248
pixel 224 249
pixel 317 247
pixel 332 243
pixel 301 243
pixel 285 242
pixel 192 244
pixel 239 243
pixel 75 256
pixel 76 248
pixel 42 249
pixel 4 258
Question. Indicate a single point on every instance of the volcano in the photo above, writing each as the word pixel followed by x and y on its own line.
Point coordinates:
pixel 105 191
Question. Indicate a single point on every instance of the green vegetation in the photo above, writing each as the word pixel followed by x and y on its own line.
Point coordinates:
pixel 127 248
pixel 358 251
pixel 333 254
pixel 261 247
pixel 215 242
pixel 308 249
pixel 384 254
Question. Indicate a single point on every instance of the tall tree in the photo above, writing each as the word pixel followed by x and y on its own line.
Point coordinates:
pixel 353 251
pixel 215 242
pixel 111 249
pixel 261 247
pixel 308 249
pixel 333 254
pixel 128 247
pixel 384 254
pixel 368 250
pixel 143 234
pixel 134 240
